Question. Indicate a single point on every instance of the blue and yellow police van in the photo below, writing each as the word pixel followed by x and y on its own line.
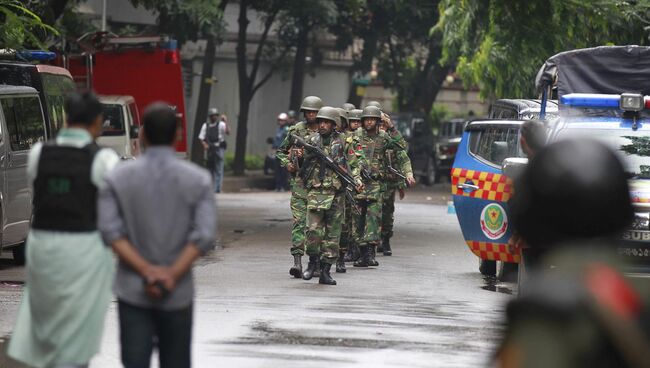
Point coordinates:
pixel 604 94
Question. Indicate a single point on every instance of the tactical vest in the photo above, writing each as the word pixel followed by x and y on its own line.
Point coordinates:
pixel 65 198
pixel 212 133
pixel 317 174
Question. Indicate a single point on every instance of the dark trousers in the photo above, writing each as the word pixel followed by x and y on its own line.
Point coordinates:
pixel 281 176
pixel 143 328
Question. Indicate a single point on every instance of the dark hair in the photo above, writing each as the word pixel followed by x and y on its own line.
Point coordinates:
pixel 534 133
pixel 82 108
pixel 160 125
pixel 571 190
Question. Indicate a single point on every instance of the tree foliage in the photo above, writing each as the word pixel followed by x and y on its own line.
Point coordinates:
pixel 499 45
pixel 20 26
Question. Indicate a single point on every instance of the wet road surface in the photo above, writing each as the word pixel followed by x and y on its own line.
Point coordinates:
pixel 426 306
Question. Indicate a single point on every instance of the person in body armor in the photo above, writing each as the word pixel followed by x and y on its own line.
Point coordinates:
pixel 326 194
pixel 396 158
pixel 366 224
pixel 213 138
pixel 291 157
pixel 576 309
pixel 69 268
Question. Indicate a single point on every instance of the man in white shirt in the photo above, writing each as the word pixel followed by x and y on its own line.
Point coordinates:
pixel 213 137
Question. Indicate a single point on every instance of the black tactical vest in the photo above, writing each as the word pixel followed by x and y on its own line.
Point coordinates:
pixel 212 134
pixel 65 198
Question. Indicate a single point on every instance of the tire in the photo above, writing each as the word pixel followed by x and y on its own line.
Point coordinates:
pixel 507 272
pixel 19 254
pixel 487 267
pixel 431 172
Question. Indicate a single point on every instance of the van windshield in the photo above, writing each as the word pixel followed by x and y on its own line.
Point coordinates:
pixel 55 88
pixel 113 120
pixel 633 146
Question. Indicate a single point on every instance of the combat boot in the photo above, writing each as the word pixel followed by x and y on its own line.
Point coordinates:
pixel 317 269
pixel 340 264
pixel 372 252
pixel 296 270
pixel 380 247
pixel 325 277
pixel 311 267
pixel 387 251
pixel 353 253
pixel 363 259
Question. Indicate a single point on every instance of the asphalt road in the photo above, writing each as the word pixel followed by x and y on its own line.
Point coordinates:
pixel 426 306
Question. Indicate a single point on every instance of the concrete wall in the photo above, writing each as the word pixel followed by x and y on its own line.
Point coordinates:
pixel 329 83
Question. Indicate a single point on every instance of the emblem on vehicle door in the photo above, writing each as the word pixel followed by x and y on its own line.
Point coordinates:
pixel 494 221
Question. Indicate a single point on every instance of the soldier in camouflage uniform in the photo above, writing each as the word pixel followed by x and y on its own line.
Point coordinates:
pixel 367 224
pixel 291 158
pixel 326 194
pixel 353 136
pixel 396 157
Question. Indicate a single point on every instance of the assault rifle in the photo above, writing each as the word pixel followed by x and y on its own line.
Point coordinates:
pixel 393 170
pixel 346 178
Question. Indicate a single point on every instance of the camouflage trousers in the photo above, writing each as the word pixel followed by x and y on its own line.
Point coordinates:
pixel 299 227
pixel 346 227
pixel 367 225
pixel 388 213
pixel 324 230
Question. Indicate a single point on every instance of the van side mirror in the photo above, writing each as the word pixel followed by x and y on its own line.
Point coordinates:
pixel 513 167
pixel 134 132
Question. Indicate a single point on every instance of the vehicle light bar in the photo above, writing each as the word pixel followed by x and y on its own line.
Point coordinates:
pixel 27 55
pixel 592 100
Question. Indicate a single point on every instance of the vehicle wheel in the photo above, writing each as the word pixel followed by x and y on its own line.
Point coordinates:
pixel 507 272
pixel 487 267
pixel 19 254
pixel 431 173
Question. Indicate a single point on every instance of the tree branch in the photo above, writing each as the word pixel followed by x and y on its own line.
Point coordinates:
pixel 274 67
pixel 260 47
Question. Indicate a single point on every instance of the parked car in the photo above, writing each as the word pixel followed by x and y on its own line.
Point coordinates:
pixel 446 145
pixel 121 126
pixel 51 82
pixel 416 129
pixel 22 124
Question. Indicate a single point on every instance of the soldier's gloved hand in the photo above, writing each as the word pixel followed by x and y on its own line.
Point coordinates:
pixel 410 181
pixel 388 124
pixel 401 194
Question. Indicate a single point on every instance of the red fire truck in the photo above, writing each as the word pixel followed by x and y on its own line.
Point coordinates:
pixel 147 68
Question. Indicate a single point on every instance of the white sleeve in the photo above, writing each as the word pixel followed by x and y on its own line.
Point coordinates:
pixel 32 162
pixel 105 160
pixel 222 131
pixel 202 132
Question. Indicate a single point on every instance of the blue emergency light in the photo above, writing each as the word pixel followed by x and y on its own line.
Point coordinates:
pixel 592 100
pixel 35 55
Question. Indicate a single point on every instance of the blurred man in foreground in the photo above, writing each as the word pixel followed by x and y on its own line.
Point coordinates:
pixel 576 309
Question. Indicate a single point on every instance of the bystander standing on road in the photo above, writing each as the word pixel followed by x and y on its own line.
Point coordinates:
pixel 157 242
pixel 69 269
pixel 280 172
pixel 213 137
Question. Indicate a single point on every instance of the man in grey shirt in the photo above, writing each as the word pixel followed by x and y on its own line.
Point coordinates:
pixel 158 213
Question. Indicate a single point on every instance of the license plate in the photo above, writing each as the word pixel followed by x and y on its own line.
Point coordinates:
pixel 642 236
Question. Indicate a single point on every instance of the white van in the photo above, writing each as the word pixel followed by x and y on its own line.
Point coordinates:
pixel 121 126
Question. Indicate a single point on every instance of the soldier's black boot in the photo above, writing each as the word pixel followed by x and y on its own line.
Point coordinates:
pixel 380 247
pixel 296 270
pixel 363 259
pixel 311 267
pixel 317 269
pixel 372 252
pixel 353 252
pixel 386 242
pixel 340 264
pixel 325 277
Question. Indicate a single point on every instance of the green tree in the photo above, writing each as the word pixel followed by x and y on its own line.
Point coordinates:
pixel 500 45
pixel 21 27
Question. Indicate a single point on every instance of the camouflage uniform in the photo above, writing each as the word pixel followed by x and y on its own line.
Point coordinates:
pixel 298 190
pixel 352 142
pixel 399 160
pixel 325 196
pixel 367 224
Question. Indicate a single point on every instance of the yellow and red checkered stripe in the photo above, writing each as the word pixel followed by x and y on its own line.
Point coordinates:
pixel 493 187
pixel 492 251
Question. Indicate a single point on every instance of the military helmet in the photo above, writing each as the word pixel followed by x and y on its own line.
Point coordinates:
pixel 343 114
pixel 348 106
pixel 355 114
pixel 213 111
pixel 292 114
pixel 571 190
pixel 330 113
pixel 371 112
pixel 375 104
pixel 311 103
